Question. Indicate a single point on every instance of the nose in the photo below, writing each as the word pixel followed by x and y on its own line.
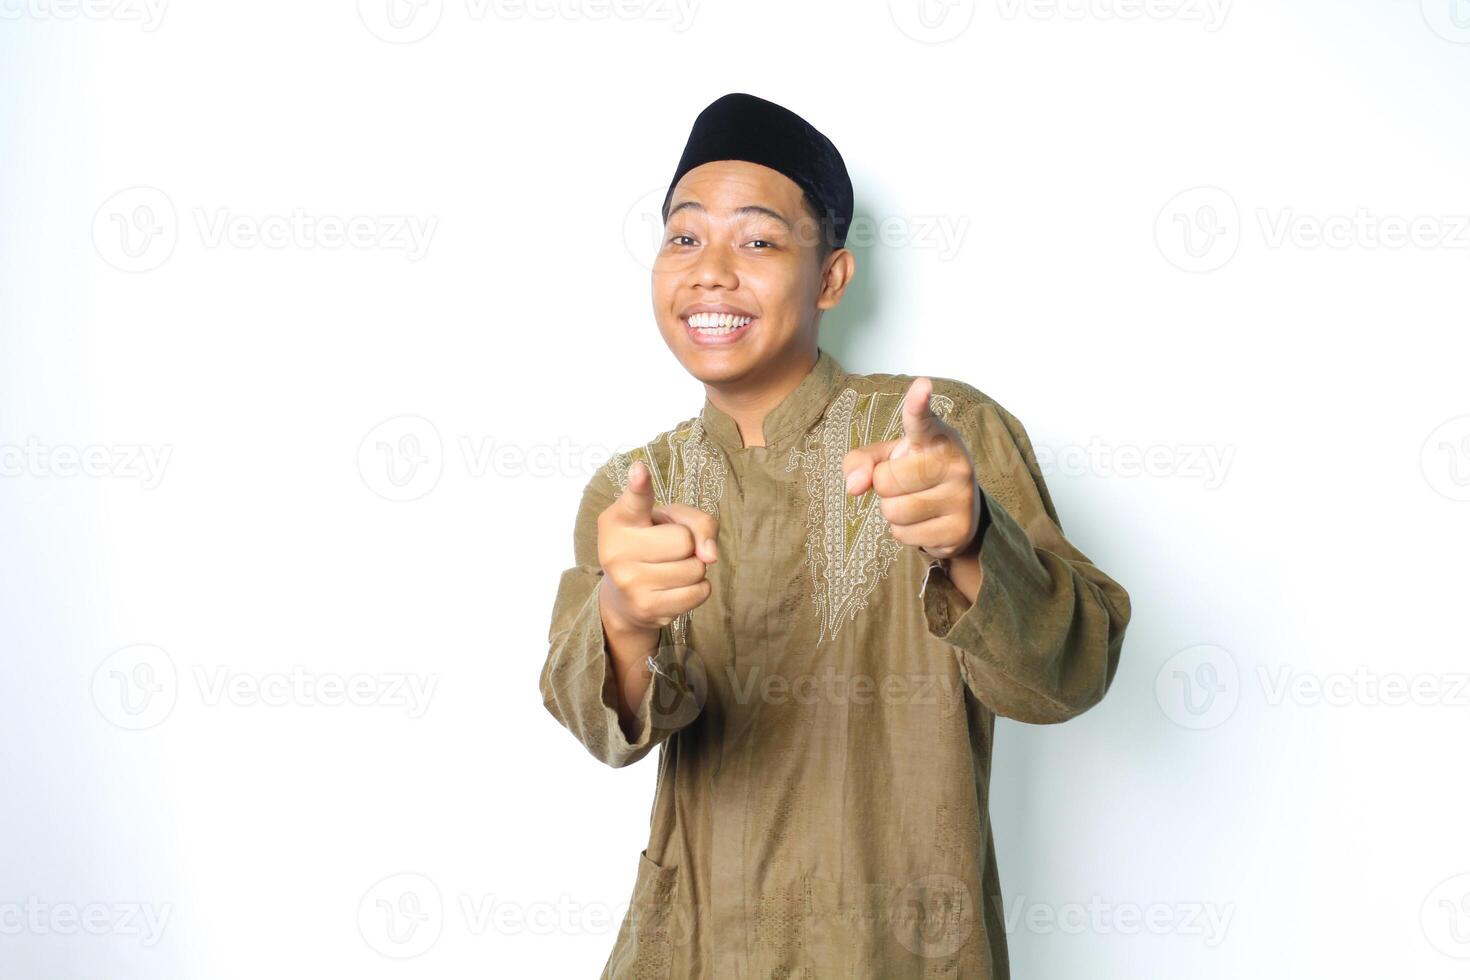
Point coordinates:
pixel 715 267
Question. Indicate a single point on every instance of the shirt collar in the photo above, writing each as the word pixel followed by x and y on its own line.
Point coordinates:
pixel 791 417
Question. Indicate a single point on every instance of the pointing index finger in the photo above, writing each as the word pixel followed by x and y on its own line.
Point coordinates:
pixel 920 425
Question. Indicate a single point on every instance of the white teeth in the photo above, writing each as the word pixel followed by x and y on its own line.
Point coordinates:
pixel 717 323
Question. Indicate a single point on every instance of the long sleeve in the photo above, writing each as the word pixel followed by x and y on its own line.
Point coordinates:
pixel 577 682
pixel 1042 640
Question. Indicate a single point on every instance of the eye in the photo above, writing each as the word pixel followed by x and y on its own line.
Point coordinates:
pixel 681 240
pixel 762 241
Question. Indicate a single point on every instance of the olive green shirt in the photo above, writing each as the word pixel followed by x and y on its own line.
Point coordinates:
pixel 825 719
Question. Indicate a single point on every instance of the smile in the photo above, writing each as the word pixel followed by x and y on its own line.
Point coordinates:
pixel 717 328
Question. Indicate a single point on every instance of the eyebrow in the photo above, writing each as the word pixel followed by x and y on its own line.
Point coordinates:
pixel 744 209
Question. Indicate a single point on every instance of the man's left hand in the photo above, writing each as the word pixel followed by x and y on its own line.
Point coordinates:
pixel 925 481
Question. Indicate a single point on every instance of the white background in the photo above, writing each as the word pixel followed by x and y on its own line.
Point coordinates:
pixel 1032 173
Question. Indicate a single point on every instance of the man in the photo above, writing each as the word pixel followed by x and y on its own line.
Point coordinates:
pixel 815 596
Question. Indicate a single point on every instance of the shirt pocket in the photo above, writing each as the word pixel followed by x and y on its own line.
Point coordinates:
pixel 654 927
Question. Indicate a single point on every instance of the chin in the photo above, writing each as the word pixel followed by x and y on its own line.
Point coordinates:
pixel 714 367
pixel 710 364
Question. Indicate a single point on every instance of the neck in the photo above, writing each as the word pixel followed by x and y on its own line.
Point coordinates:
pixel 749 401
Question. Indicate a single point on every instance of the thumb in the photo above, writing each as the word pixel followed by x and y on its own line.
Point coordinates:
pixel 637 498
pixel 920 425
pixel 858 464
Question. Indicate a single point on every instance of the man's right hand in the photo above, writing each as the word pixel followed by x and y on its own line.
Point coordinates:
pixel 653 559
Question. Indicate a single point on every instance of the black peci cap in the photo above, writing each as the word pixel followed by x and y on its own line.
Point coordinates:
pixel 742 127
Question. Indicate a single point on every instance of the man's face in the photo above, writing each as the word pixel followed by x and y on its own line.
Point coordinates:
pixel 738 240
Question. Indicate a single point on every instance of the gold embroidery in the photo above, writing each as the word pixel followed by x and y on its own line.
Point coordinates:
pixel 848 547
pixel 687 468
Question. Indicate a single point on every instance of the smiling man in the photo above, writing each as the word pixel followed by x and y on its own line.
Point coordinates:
pixel 814 596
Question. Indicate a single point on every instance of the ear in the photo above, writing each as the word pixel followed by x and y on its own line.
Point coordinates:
pixel 837 272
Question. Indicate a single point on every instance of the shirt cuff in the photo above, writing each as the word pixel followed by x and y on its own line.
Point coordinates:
pixel 947 613
pixel 671 700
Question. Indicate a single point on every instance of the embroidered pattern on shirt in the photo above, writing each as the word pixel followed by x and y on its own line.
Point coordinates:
pixel 686 468
pixel 848 547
